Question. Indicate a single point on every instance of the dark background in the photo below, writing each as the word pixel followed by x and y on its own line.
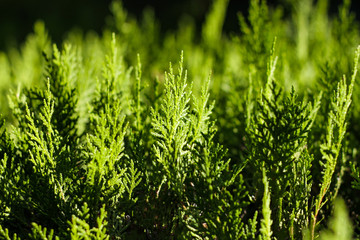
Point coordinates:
pixel 18 16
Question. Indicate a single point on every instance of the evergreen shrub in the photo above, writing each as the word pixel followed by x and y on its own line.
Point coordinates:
pixel 248 135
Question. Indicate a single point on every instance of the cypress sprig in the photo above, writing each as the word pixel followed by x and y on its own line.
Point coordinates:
pixel 170 128
pixel 6 235
pixel 80 228
pixel 278 140
pixel 336 129
pixel 202 112
pixel 266 221
pixel 39 232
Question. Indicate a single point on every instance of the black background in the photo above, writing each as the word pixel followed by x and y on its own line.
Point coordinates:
pixel 18 16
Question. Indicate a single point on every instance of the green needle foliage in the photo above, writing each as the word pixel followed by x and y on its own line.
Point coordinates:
pixel 249 135
pixel 336 129
pixel 266 221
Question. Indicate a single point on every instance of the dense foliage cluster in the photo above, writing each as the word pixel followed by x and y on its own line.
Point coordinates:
pixel 246 136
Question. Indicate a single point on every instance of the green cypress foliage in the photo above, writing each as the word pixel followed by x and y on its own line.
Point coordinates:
pixel 248 136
